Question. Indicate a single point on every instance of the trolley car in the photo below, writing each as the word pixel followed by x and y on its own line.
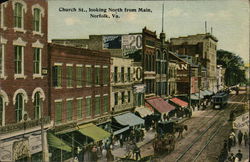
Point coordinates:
pixel 220 100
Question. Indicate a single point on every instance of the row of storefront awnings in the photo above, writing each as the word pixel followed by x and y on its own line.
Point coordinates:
pixel 159 104
pixel 90 130
pixel 94 132
pixel 201 95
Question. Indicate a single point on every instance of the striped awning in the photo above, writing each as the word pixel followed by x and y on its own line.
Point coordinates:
pixel 56 142
pixel 94 132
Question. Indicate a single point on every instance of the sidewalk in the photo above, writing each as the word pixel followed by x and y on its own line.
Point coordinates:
pixel 244 150
pixel 121 152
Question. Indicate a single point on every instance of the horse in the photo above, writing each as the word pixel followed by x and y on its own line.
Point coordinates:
pixel 180 128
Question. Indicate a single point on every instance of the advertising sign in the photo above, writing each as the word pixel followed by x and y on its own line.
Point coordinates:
pixel 242 122
pixel 131 43
pixel 112 41
pixel 140 88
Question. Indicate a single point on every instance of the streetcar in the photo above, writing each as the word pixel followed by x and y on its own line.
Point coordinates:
pixel 219 100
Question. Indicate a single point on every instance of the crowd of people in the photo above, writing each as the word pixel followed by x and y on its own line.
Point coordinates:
pixel 100 150
pixel 233 139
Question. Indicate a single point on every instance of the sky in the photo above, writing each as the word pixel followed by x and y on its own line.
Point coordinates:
pixel 229 20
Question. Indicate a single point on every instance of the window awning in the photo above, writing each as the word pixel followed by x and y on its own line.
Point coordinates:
pixel 209 92
pixel 194 97
pixel 159 104
pixel 179 102
pixel 94 132
pixel 129 119
pixel 121 130
pixel 201 96
pixel 56 142
pixel 144 111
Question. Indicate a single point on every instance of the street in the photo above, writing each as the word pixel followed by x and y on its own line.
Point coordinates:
pixel 205 136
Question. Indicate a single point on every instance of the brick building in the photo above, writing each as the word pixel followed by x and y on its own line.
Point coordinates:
pixel 80 94
pixel 203 45
pixel 23 79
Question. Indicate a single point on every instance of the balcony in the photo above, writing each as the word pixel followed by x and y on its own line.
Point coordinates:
pixel 23 125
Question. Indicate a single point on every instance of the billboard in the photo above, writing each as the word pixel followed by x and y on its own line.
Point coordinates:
pixel 131 43
pixel 112 41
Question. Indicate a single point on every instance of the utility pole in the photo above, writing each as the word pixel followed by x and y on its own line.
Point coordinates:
pixel 190 85
pixel 42 135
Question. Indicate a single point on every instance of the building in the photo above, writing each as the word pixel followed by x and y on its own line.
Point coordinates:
pixel 125 54
pixel 220 77
pixel 24 113
pixel 203 45
pixel 80 96
pixel 122 83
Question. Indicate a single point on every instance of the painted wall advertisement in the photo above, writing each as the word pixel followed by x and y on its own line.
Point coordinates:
pixel 127 43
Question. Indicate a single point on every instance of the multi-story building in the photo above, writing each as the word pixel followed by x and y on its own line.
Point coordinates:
pixel 24 114
pixel 203 45
pixel 80 94
pixel 148 62
pixel 122 70
pixel 122 83
pixel 220 77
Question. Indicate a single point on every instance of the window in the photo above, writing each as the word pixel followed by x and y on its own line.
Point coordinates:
pixel 97 75
pixel 105 103
pixel 79 76
pixel 69 110
pixel 37 61
pixel 88 106
pixel 18 59
pixel 129 95
pixel 123 97
pixel 97 105
pixel 163 68
pixel 37 105
pixel 69 76
pixel 158 66
pixel 19 106
pixel 116 98
pixel 1 111
pixel 139 99
pixel 36 20
pixel 18 15
pixel 58 112
pixel 57 76
pixel 128 75
pixel 122 74
pixel 116 74
pixel 88 76
pixel 1 59
pixel 79 108
pixel 105 76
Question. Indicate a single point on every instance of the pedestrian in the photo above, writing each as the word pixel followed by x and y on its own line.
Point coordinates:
pixel 245 138
pixel 94 154
pixel 231 158
pixel 230 142
pixel 239 155
pixel 121 140
pixel 110 156
pixel 137 152
pixel 240 135
pixel 233 136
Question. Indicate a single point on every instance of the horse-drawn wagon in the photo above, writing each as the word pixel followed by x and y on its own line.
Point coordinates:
pixel 164 143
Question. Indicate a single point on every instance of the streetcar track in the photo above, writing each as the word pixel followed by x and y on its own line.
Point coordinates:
pixel 212 136
pixel 231 106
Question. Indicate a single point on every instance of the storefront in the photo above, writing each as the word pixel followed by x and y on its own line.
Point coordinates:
pixel 160 106
pixel 25 147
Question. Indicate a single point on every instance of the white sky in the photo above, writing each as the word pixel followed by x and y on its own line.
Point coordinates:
pixel 229 19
